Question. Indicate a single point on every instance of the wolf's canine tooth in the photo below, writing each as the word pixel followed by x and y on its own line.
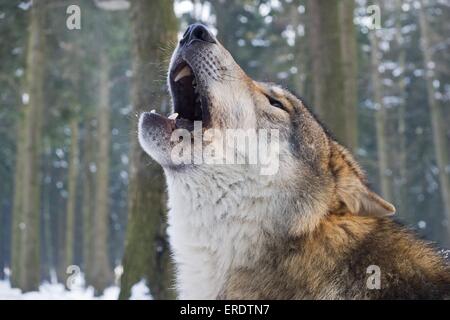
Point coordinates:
pixel 186 71
pixel 173 116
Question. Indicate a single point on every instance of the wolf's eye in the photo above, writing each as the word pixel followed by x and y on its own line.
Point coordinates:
pixel 275 103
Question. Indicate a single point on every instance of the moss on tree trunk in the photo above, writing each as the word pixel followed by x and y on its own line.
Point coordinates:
pixel 26 221
pixel 349 68
pixel 324 36
pixel 146 256
pixel 72 192
pixel 380 122
pixel 101 269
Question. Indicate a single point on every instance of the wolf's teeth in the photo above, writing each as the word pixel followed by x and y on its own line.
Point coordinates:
pixel 153 111
pixel 186 71
pixel 173 116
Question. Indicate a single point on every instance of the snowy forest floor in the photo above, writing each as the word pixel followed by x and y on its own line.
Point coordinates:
pixel 57 291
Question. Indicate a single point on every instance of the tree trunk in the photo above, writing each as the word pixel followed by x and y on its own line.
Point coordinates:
pixel 72 192
pixel 380 121
pixel 47 251
pixel 101 270
pixel 349 68
pixel 324 36
pixel 298 82
pixel 402 152
pixel 146 249
pixel 226 12
pixel 3 231
pixel 17 218
pixel 26 271
pixel 437 118
pixel 88 205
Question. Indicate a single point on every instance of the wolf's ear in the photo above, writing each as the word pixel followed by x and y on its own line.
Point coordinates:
pixel 359 199
pixel 352 192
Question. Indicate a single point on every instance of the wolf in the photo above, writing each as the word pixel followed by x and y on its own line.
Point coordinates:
pixel 312 230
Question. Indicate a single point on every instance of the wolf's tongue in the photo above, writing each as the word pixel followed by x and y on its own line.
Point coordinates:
pixel 186 71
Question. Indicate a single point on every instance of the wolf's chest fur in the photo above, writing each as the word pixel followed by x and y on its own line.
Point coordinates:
pixel 215 224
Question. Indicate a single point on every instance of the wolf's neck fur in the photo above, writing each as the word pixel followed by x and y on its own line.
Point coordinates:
pixel 218 222
pixel 222 219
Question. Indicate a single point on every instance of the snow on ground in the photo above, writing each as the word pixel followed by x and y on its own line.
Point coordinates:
pixel 56 291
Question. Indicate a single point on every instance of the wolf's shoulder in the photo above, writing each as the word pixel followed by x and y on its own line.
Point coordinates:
pixel 333 261
pixel 378 237
pixel 409 267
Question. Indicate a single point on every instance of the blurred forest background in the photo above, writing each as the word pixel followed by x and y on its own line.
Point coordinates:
pixel 76 189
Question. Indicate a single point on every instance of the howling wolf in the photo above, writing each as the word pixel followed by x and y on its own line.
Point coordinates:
pixel 311 229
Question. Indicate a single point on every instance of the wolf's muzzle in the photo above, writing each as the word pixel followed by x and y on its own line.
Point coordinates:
pixel 197 32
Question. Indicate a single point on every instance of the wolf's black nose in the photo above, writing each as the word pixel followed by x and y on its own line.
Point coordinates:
pixel 197 31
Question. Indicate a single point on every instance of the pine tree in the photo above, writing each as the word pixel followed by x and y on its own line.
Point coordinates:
pixel 101 269
pixel 380 120
pixel 327 67
pixel 146 249
pixel 437 116
pixel 26 220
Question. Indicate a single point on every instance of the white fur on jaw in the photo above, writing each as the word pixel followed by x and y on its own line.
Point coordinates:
pixel 216 223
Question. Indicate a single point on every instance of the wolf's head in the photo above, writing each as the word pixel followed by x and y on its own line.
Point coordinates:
pixel 207 85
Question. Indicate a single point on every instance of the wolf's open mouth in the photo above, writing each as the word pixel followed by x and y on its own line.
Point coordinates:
pixel 187 98
pixel 189 102
pixel 185 92
pixel 190 76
